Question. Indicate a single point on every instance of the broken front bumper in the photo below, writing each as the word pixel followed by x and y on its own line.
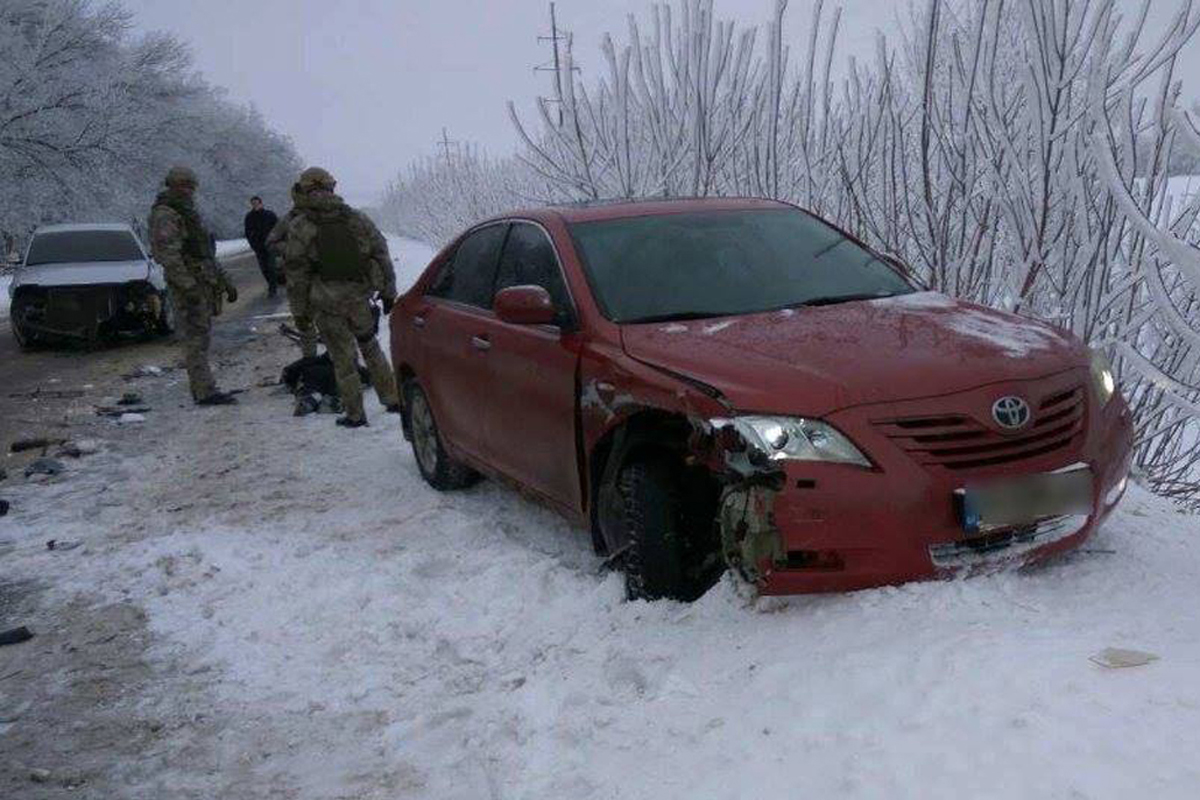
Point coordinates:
pixel 839 528
pixel 86 312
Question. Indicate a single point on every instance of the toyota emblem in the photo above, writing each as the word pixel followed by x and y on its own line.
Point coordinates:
pixel 1011 413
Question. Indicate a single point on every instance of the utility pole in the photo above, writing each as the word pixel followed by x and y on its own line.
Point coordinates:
pixel 555 64
pixel 445 142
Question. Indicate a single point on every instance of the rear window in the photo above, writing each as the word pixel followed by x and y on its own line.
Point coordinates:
pixel 68 247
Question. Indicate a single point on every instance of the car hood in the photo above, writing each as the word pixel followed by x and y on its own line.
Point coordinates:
pixel 813 361
pixel 85 273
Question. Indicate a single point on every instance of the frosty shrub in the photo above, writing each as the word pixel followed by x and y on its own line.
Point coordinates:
pixel 1013 153
pixel 91 117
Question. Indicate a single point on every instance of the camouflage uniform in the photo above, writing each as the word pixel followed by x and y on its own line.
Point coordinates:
pixel 337 261
pixel 277 244
pixel 182 247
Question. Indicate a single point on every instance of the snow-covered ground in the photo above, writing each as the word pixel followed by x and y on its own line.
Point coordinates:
pixel 5 281
pixel 357 634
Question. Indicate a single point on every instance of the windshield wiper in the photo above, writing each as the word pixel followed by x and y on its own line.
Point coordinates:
pixel 678 316
pixel 845 298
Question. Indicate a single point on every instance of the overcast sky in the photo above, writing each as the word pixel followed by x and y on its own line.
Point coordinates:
pixel 365 86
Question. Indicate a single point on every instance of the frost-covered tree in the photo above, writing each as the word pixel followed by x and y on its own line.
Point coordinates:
pixel 91 117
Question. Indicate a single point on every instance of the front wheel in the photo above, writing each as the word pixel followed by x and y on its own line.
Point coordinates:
pixel 24 342
pixel 667 552
pixel 437 468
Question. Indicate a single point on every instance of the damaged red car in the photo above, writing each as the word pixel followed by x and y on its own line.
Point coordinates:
pixel 738 384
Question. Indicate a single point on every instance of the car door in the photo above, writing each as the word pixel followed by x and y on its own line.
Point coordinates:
pixel 453 365
pixel 531 393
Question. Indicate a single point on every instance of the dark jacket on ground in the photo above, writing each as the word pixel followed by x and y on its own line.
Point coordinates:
pixel 258 226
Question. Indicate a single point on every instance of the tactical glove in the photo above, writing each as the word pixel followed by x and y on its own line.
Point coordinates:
pixel 231 293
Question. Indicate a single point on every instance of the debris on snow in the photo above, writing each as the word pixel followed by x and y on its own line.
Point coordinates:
pixel 130 399
pixel 39 775
pixel 16 635
pixel 1119 658
pixel 120 411
pixel 79 449
pixel 55 544
pixel 4 507
pixel 44 466
pixel 35 443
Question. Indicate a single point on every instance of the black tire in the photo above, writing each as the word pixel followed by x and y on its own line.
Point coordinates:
pixel 437 468
pixel 24 342
pixel 657 554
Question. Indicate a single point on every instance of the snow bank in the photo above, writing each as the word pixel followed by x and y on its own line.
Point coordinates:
pixel 228 248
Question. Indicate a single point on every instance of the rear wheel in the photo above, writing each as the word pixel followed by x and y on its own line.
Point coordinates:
pixel 437 468
pixel 21 336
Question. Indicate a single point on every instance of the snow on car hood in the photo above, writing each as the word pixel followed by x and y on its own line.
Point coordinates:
pixel 817 360
pixel 83 273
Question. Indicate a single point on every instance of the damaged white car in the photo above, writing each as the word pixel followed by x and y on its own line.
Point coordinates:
pixel 87 283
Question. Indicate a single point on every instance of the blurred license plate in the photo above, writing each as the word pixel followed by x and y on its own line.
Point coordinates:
pixel 1024 500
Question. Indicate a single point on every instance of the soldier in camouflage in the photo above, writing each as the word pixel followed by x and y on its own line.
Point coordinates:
pixel 277 244
pixel 338 263
pixel 197 284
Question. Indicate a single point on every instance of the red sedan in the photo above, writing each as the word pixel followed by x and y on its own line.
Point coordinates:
pixel 712 384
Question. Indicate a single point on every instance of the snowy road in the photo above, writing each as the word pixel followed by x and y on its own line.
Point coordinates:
pixel 304 618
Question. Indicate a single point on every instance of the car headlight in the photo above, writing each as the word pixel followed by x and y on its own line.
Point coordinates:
pixel 797 439
pixel 1102 378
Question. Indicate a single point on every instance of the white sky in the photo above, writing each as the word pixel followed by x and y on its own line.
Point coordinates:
pixel 365 86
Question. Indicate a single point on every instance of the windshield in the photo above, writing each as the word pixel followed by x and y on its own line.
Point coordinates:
pixel 68 247
pixel 725 263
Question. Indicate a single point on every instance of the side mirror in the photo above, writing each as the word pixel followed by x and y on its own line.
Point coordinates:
pixel 525 305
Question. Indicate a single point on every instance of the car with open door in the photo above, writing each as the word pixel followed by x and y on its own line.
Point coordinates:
pixel 730 383
pixel 87 283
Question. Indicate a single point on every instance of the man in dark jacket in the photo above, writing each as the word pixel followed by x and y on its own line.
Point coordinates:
pixel 258 225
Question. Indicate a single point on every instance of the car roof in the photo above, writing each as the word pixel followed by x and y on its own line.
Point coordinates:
pixel 595 210
pixel 75 227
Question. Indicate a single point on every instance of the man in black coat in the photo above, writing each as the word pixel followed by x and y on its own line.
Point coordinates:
pixel 258 225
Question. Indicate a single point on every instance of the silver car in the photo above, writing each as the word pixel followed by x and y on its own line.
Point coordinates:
pixel 87 283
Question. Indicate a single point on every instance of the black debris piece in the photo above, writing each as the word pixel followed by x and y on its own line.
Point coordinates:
pixel 38 443
pixel 55 544
pixel 130 399
pixel 16 636
pixel 44 466
pixel 4 507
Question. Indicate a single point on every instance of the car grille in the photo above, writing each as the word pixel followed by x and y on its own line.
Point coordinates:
pixel 959 442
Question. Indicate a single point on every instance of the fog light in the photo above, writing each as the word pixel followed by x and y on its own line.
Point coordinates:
pixel 1114 494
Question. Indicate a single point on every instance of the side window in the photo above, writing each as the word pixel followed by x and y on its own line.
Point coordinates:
pixel 469 275
pixel 529 259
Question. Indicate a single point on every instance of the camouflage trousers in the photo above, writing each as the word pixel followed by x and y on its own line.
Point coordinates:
pixel 304 324
pixel 343 313
pixel 193 314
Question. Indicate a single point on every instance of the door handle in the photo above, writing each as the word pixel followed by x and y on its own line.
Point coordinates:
pixel 418 322
pixel 481 343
